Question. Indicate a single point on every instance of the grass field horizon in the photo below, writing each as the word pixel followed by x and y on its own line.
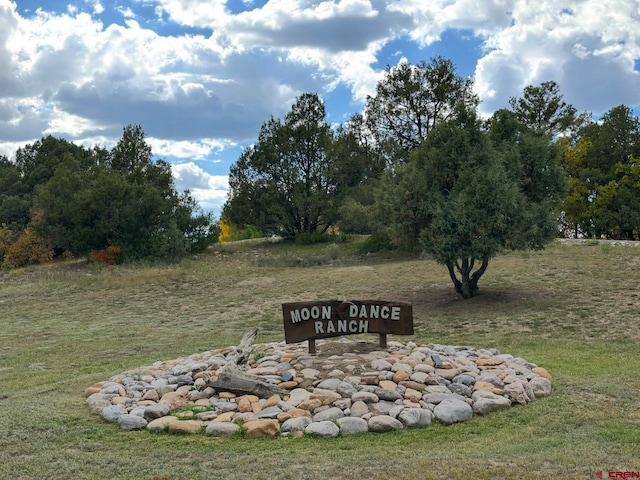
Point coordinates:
pixel 571 308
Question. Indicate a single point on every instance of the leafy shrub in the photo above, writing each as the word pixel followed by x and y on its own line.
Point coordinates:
pixel 377 242
pixel 201 233
pixel 225 231
pixel 356 217
pixel 8 237
pixel 232 233
pixel 29 248
pixel 111 255
pixel 246 233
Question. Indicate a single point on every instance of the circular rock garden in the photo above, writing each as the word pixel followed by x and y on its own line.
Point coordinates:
pixel 345 388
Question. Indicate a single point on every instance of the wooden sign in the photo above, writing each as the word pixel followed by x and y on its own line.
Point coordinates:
pixel 333 318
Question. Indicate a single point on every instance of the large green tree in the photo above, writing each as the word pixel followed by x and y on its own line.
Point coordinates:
pixel 37 162
pixel 465 195
pixel 125 199
pixel 543 110
pixel 613 166
pixel 410 101
pixel 576 204
pixel 602 163
pixel 14 201
pixel 358 171
pixel 291 181
pixel 34 165
pixel 78 200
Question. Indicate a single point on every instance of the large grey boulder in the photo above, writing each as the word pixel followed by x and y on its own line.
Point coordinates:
pixel 157 410
pixel 131 422
pixel 352 425
pixel 415 417
pixel 295 424
pixel 453 410
pixel 322 429
pixel 384 423
pixel 112 413
pixel 486 404
pixel 541 386
pixel 221 429
pixel 329 414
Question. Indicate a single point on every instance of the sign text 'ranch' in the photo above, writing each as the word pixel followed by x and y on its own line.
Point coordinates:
pixel 324 319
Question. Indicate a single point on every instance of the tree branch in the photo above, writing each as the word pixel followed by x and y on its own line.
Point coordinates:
pixel 456 283
pixel 478 273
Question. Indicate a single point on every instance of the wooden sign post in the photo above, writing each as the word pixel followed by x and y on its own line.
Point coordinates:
pixel 333 318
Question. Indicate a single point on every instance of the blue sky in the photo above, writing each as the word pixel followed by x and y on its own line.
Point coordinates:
pixel 201 76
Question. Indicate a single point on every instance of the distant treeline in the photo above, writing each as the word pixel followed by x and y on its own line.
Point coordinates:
pixel 416 168
pixel 61 199
pixel 304 177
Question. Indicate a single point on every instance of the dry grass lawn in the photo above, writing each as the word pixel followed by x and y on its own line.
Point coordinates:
pixel 573 308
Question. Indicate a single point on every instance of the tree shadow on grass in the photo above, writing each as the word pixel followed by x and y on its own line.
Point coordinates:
pixel 441 299
pixel 494 311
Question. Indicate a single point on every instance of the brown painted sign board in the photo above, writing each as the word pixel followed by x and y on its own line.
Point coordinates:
pixel 334 318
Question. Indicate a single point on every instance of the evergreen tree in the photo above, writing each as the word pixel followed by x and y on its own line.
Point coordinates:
pixel 410 101
pixel 464 196
pixel 291 181
pixel 82 200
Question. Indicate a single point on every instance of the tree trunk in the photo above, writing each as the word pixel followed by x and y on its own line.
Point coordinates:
pixel 456 283
pixel 467 284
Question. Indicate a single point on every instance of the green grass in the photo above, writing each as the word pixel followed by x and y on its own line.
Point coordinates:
pixel 574 309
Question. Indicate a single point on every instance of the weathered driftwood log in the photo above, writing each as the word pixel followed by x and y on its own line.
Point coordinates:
pixel 240 354
pixel 242 384
pixel 232 378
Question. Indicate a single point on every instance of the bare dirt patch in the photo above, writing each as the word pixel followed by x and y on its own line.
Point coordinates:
pixel 328 349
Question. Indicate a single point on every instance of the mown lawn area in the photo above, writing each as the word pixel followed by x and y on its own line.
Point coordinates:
pixel 572 308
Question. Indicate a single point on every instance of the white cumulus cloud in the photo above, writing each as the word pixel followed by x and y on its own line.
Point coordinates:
pixel 209 190
pixel 201 76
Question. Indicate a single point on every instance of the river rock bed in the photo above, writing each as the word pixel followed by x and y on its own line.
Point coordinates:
pixel 345 388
